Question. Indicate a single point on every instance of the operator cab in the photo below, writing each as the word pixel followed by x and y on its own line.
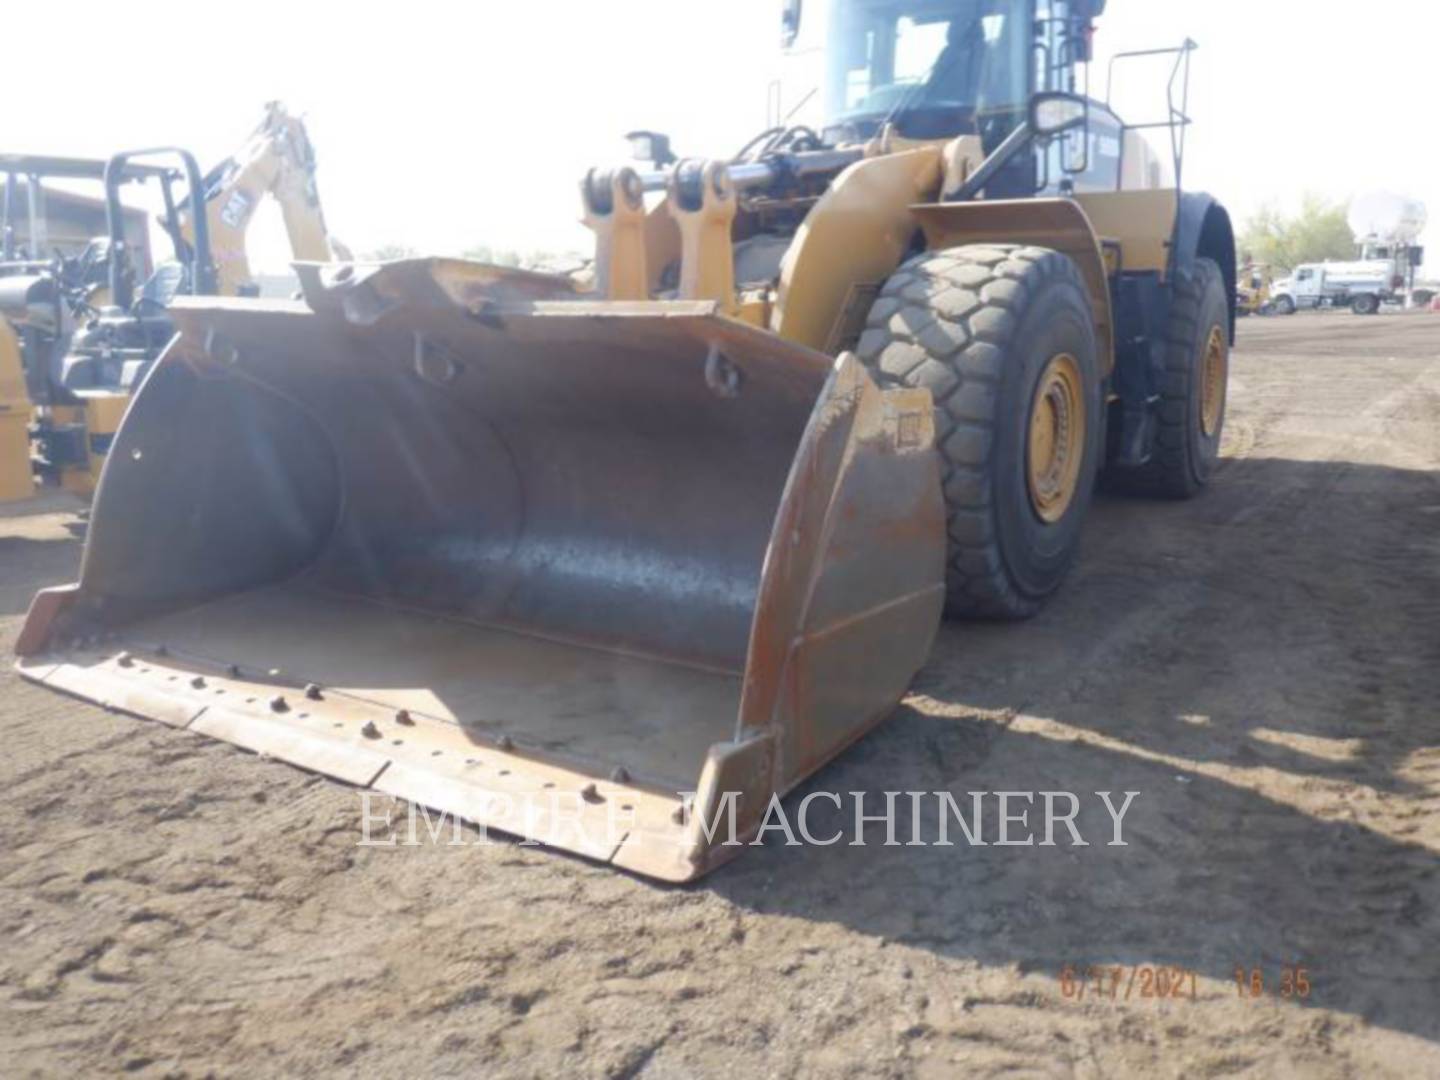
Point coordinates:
pixel 933 69
pixel 940 69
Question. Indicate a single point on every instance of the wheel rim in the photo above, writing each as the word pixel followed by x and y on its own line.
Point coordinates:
pixel 1212 382
pixel 1057 438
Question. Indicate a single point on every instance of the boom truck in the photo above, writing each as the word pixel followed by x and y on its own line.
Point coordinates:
pixel 607 565
pixel 79 332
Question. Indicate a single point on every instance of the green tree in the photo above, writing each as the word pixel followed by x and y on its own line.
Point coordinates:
pixel 389 253
pixel 1319 231
pixel 494 256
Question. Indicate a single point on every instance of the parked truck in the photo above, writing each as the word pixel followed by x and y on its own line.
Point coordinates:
pixel 1362 285
pixel 1386 227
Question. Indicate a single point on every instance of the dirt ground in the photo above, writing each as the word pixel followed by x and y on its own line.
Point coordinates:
pixel 1262 665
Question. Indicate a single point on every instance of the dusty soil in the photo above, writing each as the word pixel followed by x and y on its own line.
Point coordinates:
pixel 1262 665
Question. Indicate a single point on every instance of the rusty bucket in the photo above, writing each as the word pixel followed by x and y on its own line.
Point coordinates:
pixel 590 573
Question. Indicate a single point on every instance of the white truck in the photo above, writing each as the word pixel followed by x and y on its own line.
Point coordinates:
pixel 1386 226
pixel 1362 286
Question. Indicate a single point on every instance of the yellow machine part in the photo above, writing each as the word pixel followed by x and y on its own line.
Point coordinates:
pixel 16 481
pixel 100 415
pixel 103 413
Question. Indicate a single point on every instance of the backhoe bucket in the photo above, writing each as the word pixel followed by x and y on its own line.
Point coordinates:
pixel 605 576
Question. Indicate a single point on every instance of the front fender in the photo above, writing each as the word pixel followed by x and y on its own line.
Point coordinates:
pixel 1203 231
pixel 1058 224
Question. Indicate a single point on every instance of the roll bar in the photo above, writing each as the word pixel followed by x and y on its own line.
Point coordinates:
pixel 117 170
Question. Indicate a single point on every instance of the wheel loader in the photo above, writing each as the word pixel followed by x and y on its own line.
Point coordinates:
pixel 79 331
pixel 609 563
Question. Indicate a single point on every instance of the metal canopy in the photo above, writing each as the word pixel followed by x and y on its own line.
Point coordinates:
pixel 69 168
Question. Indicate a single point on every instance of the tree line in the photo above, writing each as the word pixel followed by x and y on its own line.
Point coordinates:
pixel 1316 232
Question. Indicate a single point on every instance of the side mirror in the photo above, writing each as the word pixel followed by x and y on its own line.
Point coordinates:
pixel 1055 112
pixel 651 147
pixel 1087 9
pixel 790 22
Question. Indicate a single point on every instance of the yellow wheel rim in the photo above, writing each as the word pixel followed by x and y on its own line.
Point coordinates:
pixel 1057 438
pixel 1212 382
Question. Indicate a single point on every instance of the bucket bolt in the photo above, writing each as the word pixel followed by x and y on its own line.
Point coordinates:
pixel 312 692
pixel 370 731
pixel 198 682
pixel 279 704
pixel 404 719
pixel 125 660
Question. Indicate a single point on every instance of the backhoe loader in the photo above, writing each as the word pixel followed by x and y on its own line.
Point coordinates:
pixel 50 278
pixel 77 326
pixel 612 565
pixel 1253 285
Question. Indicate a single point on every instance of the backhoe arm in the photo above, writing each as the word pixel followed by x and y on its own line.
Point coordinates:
pixel 277 160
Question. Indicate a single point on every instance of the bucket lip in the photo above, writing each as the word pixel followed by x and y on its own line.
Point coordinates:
pixel 429 762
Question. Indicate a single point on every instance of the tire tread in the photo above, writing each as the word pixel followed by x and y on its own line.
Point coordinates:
pixel 1169 474
pixel 961 308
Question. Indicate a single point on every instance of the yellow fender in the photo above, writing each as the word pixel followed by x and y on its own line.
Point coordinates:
pixel 1058 224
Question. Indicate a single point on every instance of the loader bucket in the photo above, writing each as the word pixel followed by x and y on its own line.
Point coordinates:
pixel 592 574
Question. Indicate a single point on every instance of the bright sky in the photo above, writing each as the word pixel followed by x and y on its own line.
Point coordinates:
pixel 442 125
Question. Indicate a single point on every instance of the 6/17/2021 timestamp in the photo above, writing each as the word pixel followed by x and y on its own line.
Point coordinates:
pixel 1162 982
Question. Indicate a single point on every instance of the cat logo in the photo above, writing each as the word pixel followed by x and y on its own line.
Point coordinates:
pixel 236 210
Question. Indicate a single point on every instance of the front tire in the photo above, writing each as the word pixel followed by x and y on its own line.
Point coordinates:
pixel 1003 337
pixel 1284 306
pixel 1365 305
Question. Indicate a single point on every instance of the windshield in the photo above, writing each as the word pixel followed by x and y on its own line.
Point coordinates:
pixel 936 64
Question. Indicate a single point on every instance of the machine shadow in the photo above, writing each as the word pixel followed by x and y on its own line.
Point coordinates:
pixel 1284 620
pixel 1214 876
pixel 1261 666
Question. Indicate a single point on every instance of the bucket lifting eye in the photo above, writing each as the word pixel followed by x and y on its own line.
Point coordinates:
pixel 721 375
pixel 434 364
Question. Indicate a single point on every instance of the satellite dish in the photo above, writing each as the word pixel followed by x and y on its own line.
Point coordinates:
pixel 1387 216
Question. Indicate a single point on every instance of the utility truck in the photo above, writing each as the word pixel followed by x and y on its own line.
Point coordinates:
pixel 1363 286
pixel 1386 227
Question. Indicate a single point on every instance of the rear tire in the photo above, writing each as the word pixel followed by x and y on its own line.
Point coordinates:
pixel 1193 392
pixel 1365 305
pixel 1003 337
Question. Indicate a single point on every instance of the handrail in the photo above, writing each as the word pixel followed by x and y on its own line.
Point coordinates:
pixel 1178 118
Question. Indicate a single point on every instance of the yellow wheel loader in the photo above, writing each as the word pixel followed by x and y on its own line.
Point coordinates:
pixel 87 327
pixel 611 566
